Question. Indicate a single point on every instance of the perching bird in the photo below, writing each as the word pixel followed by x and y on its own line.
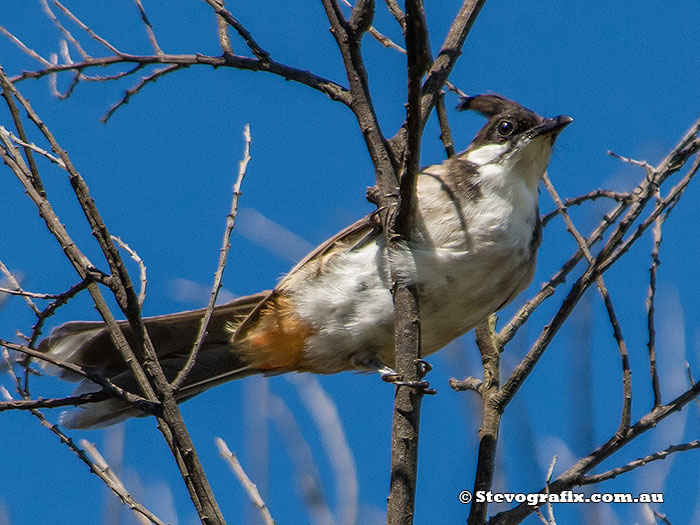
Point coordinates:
pixel 472 251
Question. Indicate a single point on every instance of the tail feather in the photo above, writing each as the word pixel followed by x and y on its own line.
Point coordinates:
pixel 88 344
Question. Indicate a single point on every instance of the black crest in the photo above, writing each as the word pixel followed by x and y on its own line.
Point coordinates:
pixel 489 105
pixel 508 120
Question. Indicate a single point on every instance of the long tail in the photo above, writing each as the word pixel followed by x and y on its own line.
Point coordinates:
pixel 87 344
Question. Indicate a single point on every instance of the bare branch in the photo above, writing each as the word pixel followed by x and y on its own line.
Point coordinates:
pixel 5 134
pixel 69 36
pixel 407 323
pixel 445 132
pixel 602 288
pixel 150 378
pixel 85 28
pixel 590 196
pixel 153 77
pixel 490 351
pixel 109 387
pixel 248 485
pixel 149 28
pixel 613 473
pixel 223 255
pixel 16 41
pixel 448 55
pixel 550 508
pixel 28 404
pixel 641 163
pixel 398 14
pixel 124 496
pixel 650 304
pixel 222 12
pixel 17 289
pixel 142 266
pixel 571 478
pixel 222 28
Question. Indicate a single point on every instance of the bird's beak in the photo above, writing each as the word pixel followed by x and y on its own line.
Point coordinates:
pixel 551 126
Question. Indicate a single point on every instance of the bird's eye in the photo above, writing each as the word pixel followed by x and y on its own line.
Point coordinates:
pixel 505 128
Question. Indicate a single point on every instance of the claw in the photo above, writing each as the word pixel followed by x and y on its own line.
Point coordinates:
pixel 423 367
pixel 389 375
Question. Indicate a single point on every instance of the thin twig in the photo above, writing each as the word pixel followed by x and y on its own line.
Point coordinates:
pixel 641 163
pixel 153 77
pixel 613 473
pixel 4 132
pixel 223 256
pixel 660 516
pixel 222 28
pixel 142 266
pixel 149 28
pixel 69 36
pixel 691 381
pixel 665 205
pixel 116 484
pixel 36 56
pixel 590 196
pixel 331 89
pixel 398 14
pixel 605 294
pixel 85 28
pixel 113 390
pixel 17 288
pixel 245 481
pixel 221 11
pixel 77 400
pixel 550 508
pixel 60 300
pixel 24 293
pixel 445 132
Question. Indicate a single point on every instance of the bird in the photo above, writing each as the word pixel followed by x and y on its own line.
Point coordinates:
pixel 472 250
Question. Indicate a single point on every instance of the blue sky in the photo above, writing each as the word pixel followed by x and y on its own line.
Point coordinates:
pixel 161 173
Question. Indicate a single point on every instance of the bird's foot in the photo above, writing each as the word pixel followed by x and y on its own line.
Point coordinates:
pixel 389 375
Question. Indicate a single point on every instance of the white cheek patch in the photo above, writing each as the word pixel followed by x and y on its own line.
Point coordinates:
pixel 486 154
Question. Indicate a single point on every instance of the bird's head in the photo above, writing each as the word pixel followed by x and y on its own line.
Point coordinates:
pixel 515 137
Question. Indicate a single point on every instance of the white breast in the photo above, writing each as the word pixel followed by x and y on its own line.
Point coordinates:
pixel 468 260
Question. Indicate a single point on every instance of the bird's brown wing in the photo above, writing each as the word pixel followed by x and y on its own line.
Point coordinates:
pixel 352 237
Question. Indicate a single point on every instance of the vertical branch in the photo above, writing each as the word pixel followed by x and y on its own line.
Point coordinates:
pixel 407 403
pixel 490 349
pixel 223 256
pixel 651 310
